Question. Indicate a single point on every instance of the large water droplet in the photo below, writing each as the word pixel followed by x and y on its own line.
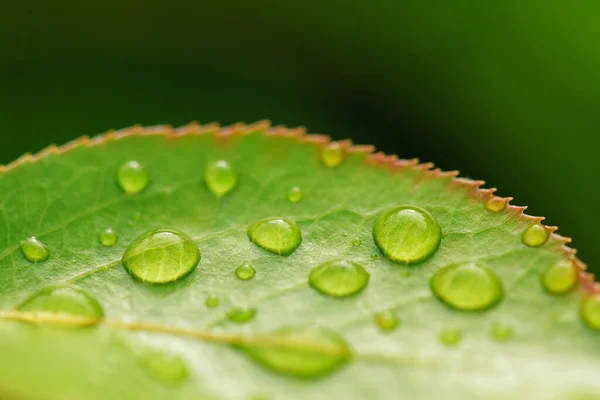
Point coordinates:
pixel 496 204
pixel 212 301
pixel 241 315
pixel 277 235
pixel 590 311
pixel 451 337
pixel 387 320
pixel 338 278
pixel 161 256
pixel 167 368
pixel 34 251
pixel 560 278
pixel 467 287
pixel 502 333
pixel 294 194
pixel 332 155
pixel 108 237
pixel 536 235
pixel 245 271
pixel 62 305
pixel 220 177
pixel 407 234
pixel 302 352
pixel 133 177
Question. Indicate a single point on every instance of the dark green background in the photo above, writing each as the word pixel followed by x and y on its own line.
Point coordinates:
pixel 509 92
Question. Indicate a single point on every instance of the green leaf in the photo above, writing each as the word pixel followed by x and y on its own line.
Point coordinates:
pixel 263 331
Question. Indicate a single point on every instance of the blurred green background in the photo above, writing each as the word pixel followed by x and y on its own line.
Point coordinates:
pixel 506 92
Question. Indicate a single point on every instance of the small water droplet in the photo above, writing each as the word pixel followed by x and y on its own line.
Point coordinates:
pixel 277 235
pixel 590 311
pixel 560 278
pixel 294 194
pixel 220 177
pixel 167 368
pixel 356 242
pixel 536 235
pixel 108 237
pixel 338 278
pixel 34 251
pixel 241 315
pixel 407 234
pixel 387 320
pixel 212 301
pixel 496 204
pixel 451 337
pixel 332 155
pixel 502 333
pixel 62 305
pixel 303 352
pixel 467 287
pixel 405 273
pixel 345 234
pixel 245 271
pixel 133 177
pixel 161 256
pixel 374 256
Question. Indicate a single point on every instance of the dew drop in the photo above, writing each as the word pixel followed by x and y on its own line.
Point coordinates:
pixel 356 242
pixel 241 315
pixel 303 352
pixel 387 321
pixel 34 251
pixel 590 311
pixel 167 368
pixel 277 235
pixel 133 177
pixel 496 204
pixel 62 305
pixel 245 271
pixel 407 234
pixel 220 177
pixel 338 278
pixel 211 301
pixel 536 235
pixel 560 278
pixel 345 234
pixel 161 256
pixel 294 194
pixel 373 256
pixel 451 337
pixel 502 333
pixel 467 287
pixel 108 237
pixel 332 155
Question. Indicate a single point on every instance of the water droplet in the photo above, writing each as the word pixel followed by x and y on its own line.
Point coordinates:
pixel 374 256
pixel 387 320
pixel 161 256
pixel 220 177
pixel 590 311
pixel 467 287
pixel 560 278
pixel 212 301
pixel 294 194
pixel 62 305
pixel 34 251
pixel 356 242
pixel 332 155
pixel 167 368
pixel 108 237
pixel 133 177
pixel 302 352
pixel 245 271
pixel 536 235
pixel 502 333
pixel 451 337
pixel 407 234
pixel 405 273
pixel 338 278
pixel 241 314
pixel 277 235
pixel 345 234
pixel 496 204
